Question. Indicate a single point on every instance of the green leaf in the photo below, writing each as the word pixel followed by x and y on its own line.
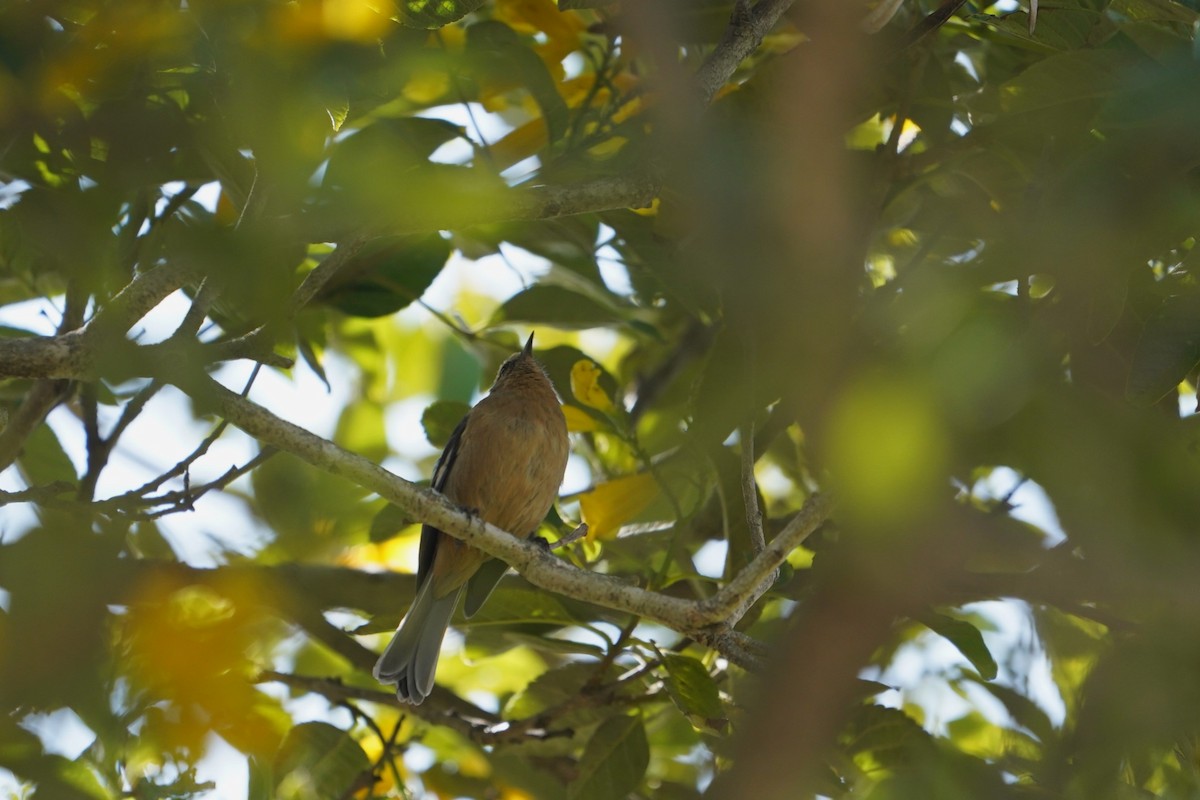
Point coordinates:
pixel 147 540
pixel 692 688
pixel 1168 350
pixel 552 644
pixel 434 13
pixel 360 429
pixel 515 603
pixel 560 360
pixel 317 760
pixel 1065 81
pixel 498 54
pixel 554 305
pixel 890 735
pixel 1156 10
pixel 1024 711
pixel 388 274
pixel 441 418
pixel 549 689
pixel 1058 29
pixel 43 459
pixel 261 781
pixel 967 638
pixel 390 520
pixel 309 510
pixel 614 761
pixel 460 373
pixel 387 147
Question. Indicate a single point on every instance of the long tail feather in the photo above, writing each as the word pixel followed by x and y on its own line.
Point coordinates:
pixel 410 660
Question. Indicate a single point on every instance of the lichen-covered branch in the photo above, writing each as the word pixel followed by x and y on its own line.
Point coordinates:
pixel 700 619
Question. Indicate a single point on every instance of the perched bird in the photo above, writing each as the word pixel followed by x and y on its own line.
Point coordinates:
pixel 504 462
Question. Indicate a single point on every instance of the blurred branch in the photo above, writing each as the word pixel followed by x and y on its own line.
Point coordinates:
pixel 316 280
pixel 73 354
pixel 745 33
pixel 695 341
pixel 40 401
pixel 44 395
pixel 936 19
pixel 54 494
pixel 754 517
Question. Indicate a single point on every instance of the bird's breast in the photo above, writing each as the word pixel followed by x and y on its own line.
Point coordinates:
pixel 510 465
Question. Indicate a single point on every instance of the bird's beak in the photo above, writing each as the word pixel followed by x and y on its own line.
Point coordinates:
pixel 528 351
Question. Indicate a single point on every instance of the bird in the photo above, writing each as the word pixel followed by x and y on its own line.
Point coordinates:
pixel 503 463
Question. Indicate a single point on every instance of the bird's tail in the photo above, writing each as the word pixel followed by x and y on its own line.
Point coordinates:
pixel 410 660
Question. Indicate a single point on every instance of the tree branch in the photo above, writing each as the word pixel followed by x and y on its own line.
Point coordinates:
pixel 693 618
pixel 745 33
pixel 736 597
pixel 41 399
pixel 73 354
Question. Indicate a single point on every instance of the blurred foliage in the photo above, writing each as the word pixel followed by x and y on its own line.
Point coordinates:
pixel 947 272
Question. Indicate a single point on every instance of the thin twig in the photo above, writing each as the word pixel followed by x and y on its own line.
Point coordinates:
pixel 48 494
pixel 754 517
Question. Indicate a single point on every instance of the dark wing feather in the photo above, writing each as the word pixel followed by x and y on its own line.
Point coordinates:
pixel 481 585
pixel 441 473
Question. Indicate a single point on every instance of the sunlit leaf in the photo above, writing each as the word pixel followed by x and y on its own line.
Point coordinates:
pixel 433 13
pixel 579 421
pixel 585 377
pixel 609 505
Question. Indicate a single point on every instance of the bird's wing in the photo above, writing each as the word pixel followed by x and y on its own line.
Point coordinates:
pixel 482 583
pixel 441 473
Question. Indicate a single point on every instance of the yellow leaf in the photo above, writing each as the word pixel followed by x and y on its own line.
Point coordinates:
pixel 608 148
pixel 520 143
pixel 356 19
pixel 579 421
pixel 585 385
pixel 650 211
pixel 562 28
pixel 607 507
pixel 426 85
